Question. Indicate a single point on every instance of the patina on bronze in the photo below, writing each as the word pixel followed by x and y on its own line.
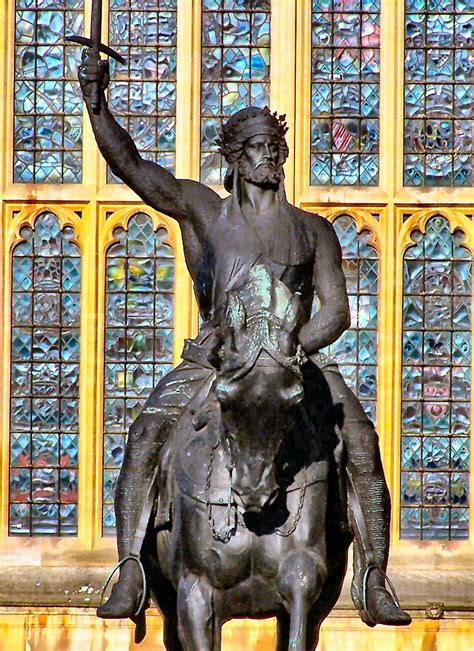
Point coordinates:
pixel 232 498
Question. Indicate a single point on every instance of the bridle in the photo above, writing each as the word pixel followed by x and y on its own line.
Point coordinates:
pixel 259 339
pixel 225 533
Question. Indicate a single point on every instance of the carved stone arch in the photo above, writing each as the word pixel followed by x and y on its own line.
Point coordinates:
pixel 364 220
pixel 28 215
pixel 457 219
pixel 121 218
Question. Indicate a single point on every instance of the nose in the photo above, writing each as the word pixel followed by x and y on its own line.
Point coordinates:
pixel 252 502
pixel 252 494
pixel 266 150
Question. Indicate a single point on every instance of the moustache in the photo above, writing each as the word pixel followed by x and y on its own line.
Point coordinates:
pixel 265 161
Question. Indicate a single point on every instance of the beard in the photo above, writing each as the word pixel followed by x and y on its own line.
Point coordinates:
pixel 265 174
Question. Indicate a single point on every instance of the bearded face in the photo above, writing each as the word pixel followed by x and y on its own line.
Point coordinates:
pixel 260 161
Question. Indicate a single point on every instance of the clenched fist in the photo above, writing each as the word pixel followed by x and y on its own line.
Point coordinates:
pixel 93 73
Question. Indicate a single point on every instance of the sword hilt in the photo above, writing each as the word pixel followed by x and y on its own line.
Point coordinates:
pixel 96 85
pixel 105 49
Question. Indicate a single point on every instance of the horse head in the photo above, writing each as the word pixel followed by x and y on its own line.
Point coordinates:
pixel 259 383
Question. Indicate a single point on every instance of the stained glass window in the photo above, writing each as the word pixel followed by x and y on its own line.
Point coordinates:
pixel 142 95
pixel 235 70
pixel 138 337
pixel 47 103
pixel 356 350
pixel 439 99
pixel 44 402
pixel 345 77
pixel 436 385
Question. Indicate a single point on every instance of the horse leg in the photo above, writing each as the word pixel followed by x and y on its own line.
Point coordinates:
pixel 314 622
pixel 170 634
pixel 312 630
pixel 301 578
pixel 197 627
pixel 283 632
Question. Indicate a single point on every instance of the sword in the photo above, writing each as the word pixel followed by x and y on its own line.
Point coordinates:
pixel 96 47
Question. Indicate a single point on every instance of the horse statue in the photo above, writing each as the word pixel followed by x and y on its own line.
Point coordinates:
pixel 247 478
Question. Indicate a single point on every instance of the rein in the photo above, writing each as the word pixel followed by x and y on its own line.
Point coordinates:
pixel 225 533
pixel 259 338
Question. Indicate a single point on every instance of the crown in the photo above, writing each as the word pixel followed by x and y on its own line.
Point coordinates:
pixel 248 122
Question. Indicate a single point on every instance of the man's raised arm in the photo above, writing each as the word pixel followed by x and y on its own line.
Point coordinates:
pixel 333 317
pixel 153 183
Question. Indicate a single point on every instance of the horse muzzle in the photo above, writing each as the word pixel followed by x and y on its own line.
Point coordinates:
pixel 253 501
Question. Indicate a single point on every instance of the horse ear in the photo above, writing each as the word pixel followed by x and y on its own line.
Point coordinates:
pixel 291 318
pixel 235 313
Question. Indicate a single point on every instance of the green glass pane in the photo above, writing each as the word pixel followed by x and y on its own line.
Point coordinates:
pixel 139 338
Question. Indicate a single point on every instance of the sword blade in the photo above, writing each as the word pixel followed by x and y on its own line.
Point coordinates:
pixel 96 29
pixel 96 25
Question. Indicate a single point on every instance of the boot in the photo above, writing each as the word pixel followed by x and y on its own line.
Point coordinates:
pixel 378 604
pixel 126 595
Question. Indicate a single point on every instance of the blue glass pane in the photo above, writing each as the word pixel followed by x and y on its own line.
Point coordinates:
pixel 45 366
pixel 47 104
pixel 143 91
pixel 438 59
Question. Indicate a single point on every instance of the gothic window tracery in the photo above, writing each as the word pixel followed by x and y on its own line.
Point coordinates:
pixel 44 404
pixel 138 348
pixel 356 350
pixel 429 44
pixel 436 384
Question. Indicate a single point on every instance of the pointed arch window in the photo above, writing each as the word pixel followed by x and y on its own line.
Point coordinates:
pixel 356 350
pixel 138 336
pixel 44 403
pixel 436 384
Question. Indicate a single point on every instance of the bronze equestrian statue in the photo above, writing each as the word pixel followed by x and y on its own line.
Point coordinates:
pixel 231 499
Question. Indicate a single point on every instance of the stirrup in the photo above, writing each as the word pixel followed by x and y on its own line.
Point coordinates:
pixel 117 567
pixel 365 580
